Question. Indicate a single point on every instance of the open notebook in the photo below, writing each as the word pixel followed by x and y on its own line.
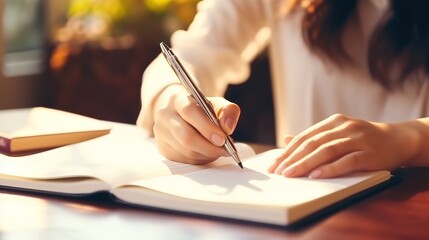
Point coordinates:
pixel 126 163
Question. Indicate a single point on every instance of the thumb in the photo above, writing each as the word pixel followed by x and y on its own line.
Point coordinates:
pixel 288 139
pixel 227 112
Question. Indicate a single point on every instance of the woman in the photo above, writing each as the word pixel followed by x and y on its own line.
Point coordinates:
pixel 350 83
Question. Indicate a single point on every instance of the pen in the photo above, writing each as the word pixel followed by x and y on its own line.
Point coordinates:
pixel 197 94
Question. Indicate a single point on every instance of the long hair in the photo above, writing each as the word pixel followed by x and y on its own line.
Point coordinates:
pixel 398 47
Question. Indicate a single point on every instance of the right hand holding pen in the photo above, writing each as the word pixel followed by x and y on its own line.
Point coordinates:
pixel 184 133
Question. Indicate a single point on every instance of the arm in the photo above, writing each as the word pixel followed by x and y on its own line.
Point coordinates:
pixel 217 50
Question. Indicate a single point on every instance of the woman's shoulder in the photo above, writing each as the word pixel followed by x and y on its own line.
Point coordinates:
pixel 243 7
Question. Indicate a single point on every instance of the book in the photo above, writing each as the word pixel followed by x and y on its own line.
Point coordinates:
pixel 23 130
pixel 127 165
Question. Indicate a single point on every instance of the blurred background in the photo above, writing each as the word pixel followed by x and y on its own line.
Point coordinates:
pixel 88 56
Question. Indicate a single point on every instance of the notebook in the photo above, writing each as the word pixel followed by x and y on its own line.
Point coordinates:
pixel 127 165
pixel 38 128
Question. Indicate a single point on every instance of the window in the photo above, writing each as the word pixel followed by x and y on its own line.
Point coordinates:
pixel 23 37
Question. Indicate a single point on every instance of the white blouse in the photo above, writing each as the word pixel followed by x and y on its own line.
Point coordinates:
pixel 227 35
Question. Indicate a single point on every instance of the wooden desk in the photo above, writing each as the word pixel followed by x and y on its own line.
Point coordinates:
pixel 399 212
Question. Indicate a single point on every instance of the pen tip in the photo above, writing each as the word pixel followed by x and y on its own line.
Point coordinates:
pixel 241 165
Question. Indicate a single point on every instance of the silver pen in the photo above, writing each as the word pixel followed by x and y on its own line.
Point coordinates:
pixel 196 93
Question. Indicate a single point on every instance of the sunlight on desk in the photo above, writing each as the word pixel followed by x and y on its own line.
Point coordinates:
pixel 24 217
pixel 19 213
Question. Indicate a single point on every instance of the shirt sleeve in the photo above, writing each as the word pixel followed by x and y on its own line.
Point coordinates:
pixel 217 49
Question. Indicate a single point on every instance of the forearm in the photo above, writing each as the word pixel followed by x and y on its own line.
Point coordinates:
pixel 420 143
pixel 156 78
pixel 210 50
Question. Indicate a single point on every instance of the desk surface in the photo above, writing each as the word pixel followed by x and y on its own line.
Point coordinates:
pixel 399 212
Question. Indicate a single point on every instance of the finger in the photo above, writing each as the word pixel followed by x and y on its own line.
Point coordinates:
pixel 227 112
pixel 305 149
pixel 322 133
pixel 278 160
pixel 288 139
pixel 182 137
pixel 190 141
pixel 298 141
pixel 194 115
pixel 354 161
pixel 329 123
pixel 325 154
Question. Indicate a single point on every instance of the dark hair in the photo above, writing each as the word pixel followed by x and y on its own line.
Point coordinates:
pixel 400 42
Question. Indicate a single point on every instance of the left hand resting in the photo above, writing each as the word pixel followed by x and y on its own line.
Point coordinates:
pixel 341 144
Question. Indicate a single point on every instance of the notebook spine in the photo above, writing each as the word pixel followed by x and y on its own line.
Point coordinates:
pixel 4 144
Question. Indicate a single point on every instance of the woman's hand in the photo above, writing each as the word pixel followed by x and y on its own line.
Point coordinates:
pixel 341 144
pixel 184 133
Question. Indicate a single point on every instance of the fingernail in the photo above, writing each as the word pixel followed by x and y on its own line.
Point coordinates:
pixel 271 168
pixel 273 165
pixel 315 174
pixel 278 170
pixel 229 123
pixel 218 140
pixel 289 172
